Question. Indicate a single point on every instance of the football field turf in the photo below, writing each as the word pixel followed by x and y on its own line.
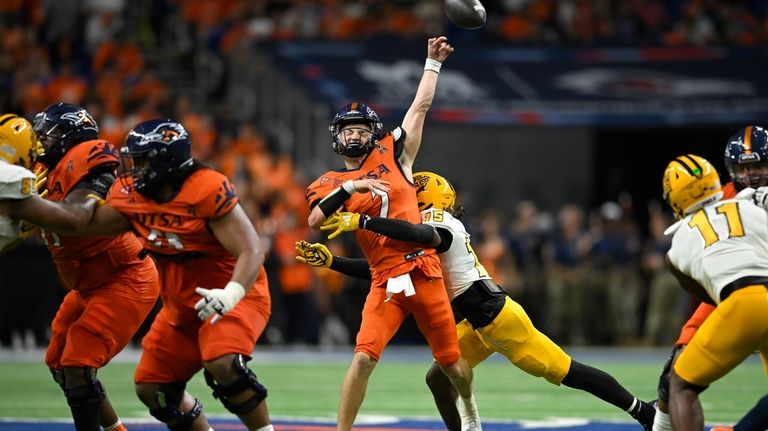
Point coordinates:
pixel 304 387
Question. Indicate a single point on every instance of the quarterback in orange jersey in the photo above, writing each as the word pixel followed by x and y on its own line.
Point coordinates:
pixel 746 158
pixel 210 263
pixel 112 284
pixel 405 278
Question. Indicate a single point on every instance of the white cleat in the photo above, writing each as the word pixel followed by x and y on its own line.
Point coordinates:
pixel 470 418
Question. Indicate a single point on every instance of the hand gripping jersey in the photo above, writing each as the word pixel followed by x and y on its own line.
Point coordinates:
pixel 386 257
pixel 176 232
pixel 84 262
pixel 15 183
pixel 461 267
pixel 721 243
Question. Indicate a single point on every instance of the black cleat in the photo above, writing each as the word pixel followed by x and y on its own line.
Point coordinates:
pixel 644 413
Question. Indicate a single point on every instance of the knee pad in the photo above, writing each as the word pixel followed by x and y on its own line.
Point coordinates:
pixel 89 393
pixel 246 379
pixel 169 399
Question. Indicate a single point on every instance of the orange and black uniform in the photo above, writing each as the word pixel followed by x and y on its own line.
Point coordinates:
pixel 112 285
pixel 389 258
pixel 188 255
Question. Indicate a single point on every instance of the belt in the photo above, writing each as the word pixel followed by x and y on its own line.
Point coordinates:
pixel 742 283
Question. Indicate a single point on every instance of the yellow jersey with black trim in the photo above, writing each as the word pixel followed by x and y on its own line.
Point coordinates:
pixel 721 243
pixel 461 267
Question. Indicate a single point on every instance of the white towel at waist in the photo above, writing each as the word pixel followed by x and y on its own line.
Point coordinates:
pixel 401 283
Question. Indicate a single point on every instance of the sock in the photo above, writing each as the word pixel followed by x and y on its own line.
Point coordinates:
pixel 470 419
pixel 661 422
pixel 642 412
pixel 117 426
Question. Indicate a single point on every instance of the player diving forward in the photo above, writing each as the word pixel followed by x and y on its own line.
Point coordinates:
pixel 494 322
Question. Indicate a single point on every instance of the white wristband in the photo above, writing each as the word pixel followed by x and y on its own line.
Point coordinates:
pixel 348 186
pixel 236 290
pixel 433 65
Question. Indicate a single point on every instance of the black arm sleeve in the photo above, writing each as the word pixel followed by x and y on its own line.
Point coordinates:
pixel 97 182
pixel 402 230
pixel 446 239
pixel 357 268
pixel 331 203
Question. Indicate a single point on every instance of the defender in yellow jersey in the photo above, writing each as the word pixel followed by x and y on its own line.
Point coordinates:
pixel 493 321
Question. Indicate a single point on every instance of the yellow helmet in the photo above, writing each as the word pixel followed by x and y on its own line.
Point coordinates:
pixel 690 182
pixel 434 191
pixel 18 141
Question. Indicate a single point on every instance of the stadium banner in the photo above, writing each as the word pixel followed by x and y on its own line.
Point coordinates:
pixel 611 87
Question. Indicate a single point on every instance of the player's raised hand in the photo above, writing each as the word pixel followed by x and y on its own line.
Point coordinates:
pixel 438 48
pixel 218 301
pixel 340 222
pixel 316 254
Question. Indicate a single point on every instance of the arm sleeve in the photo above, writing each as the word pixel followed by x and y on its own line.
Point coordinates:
pixel 99 183
pixel 402 230
pixel 357 268
pixel 446 239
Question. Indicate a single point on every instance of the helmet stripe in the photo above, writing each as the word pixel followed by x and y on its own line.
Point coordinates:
pixel 748 140
pixel 696 171
pixel 6 118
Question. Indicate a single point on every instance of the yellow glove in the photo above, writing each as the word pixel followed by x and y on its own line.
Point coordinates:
pixel 316 254
pixel 341 222
pixel 41 178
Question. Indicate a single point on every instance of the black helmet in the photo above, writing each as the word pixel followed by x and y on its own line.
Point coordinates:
pixel 60 127
pixel 156 151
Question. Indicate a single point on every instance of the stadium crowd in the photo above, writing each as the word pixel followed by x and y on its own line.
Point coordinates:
pixel 126 62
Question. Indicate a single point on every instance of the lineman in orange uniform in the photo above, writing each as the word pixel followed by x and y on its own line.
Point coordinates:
pixel 189 219
pixel 112 284
pixel 746 157
pixel 405 278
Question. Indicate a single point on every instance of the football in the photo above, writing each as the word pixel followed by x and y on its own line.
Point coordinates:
pixel 468 14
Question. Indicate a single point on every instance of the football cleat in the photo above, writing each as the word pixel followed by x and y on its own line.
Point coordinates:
pixel 690 182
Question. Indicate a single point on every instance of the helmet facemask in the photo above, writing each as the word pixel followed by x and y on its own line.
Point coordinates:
pixel 60 127
pixel 746 157
pixel 353 139
pixel 360 120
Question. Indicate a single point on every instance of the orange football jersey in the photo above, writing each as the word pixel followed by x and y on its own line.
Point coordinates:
pixel 386 257
pixel 180 225
pixel 188 254
pixel 72 253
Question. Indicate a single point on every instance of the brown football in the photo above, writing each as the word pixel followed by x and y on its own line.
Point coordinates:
pixel 468 14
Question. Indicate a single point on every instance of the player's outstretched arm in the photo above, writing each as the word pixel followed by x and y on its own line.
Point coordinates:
pixel 438 50
pixel 319 256
pixel 401 230
pixel 238 236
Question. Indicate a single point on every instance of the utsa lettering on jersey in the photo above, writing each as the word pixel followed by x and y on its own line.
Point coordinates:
pixel 112 285
pixel 493 321
pixel 377 181
pixel 718 253
pixel 214 289
pixel 746 158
